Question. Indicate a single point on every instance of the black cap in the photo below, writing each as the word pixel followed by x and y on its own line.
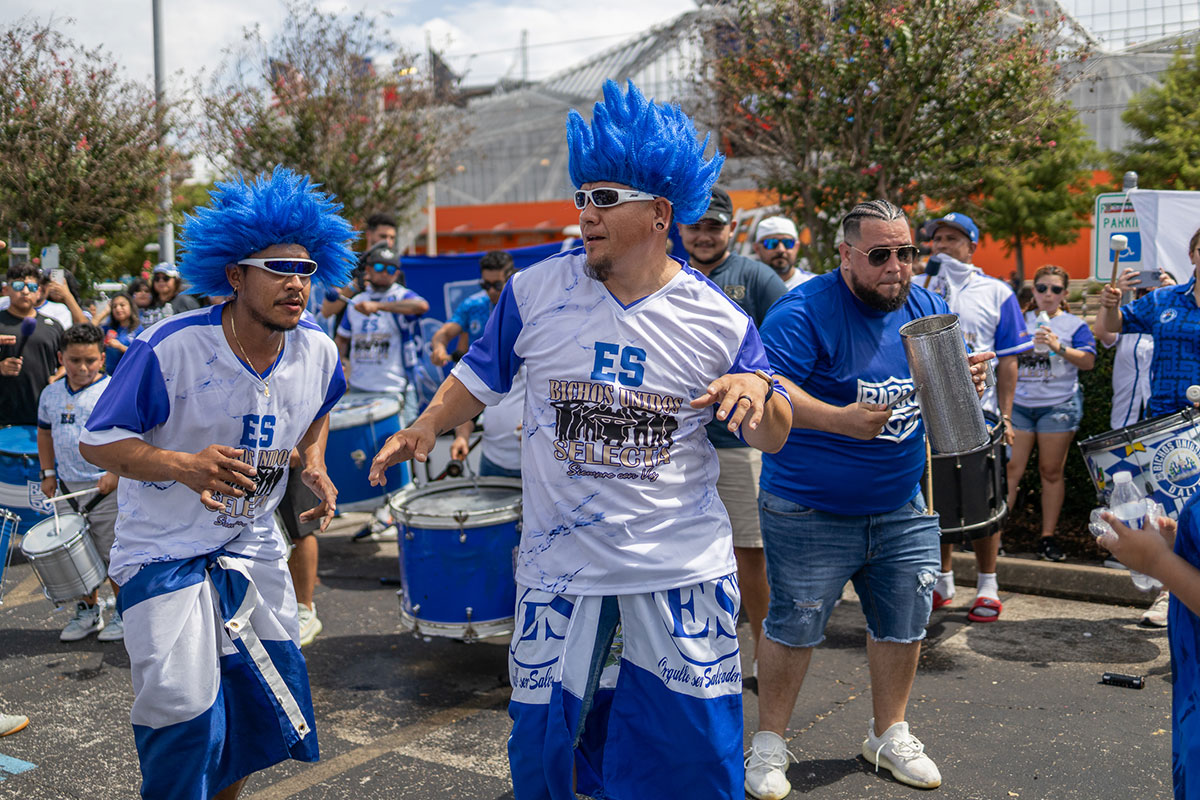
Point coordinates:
pixel 720 208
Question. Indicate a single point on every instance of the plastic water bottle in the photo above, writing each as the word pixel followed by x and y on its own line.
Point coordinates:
pixel 1129 505
pixel 1041 348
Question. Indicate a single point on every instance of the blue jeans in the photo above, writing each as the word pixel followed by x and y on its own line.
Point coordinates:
pixel 892 558
pixel 1062 417
pixel 490 469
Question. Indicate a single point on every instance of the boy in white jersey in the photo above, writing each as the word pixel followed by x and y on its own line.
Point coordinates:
pixel 63 409
pixel 201 422
pixel 379 337
pixel 626 350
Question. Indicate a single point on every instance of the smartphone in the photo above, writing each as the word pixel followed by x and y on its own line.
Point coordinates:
pixel 57 275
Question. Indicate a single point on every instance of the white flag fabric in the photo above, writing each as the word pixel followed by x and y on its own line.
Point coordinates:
pixel 1167 220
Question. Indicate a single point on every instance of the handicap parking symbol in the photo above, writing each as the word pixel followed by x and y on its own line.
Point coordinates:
pixel 1133 250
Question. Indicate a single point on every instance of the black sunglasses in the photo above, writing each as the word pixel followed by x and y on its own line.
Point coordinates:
pixel 878 256
pixel 497 285
pixel 1045 287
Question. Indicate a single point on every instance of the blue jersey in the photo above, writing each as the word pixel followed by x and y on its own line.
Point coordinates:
pixel 842 351
pixel 472 315
pixel 1169 315
pixel 1183 632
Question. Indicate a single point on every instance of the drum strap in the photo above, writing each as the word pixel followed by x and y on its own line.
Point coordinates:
pixel 73 502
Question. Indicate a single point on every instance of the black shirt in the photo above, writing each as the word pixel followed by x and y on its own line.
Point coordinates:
pixel 19 394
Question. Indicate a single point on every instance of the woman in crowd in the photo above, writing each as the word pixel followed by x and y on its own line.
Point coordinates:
pixel 139 290
pixel 1048 405
pixel 120 329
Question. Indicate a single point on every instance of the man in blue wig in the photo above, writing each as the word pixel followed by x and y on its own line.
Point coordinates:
pixel 627 353
pixel 200 424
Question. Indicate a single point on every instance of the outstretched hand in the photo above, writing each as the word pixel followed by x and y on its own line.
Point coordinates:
pixel 317 480
pixel 412 442
pixel 742 397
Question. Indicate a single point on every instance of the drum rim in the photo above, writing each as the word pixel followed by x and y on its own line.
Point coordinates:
pixel 492 516
pixel 1152 426
pixel 83 529
pixel 365 413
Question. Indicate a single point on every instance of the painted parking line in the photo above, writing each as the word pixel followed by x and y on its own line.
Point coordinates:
pixel 13 766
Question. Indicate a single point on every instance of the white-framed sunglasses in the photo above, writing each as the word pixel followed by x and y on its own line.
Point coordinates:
pixel 606 198
pixel 304 267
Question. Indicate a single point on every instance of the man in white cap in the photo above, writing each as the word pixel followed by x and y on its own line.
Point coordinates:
pixel 777 244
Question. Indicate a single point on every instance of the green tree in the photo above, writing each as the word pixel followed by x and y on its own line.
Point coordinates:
pixel 1166 118
pixel 1042 194
pixel 78 154
pixel 901 99
pixel 318 99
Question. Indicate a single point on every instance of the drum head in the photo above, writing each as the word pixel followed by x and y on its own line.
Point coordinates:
pixel 19 440
pixel 354 410
pixel 44 537
pixel 460 503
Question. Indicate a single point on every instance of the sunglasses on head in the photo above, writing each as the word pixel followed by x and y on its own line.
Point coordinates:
pixel 771 244
pixel 606 198
pixel 1045 287
pixel 391 269
pixel 878 256
pixel 497 285
pixel 304 267
pixel 21 286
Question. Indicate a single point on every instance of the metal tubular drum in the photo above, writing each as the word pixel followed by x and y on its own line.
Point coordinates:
pixel 937 359
pixel 64 557
pixel 970 490
pixel 458 540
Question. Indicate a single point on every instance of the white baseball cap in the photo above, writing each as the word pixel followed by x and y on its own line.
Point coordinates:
pixel 775 226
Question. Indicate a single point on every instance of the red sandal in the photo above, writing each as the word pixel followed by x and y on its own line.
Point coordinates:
pixel 939 601
pixel 985 602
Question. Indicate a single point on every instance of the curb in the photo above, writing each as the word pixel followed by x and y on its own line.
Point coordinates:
pixel 1068 581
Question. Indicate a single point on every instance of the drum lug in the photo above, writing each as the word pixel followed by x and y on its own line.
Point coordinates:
pixel 408 534
pixel 416 609
pixel 358 457
pixel 462 537
pixel 469 635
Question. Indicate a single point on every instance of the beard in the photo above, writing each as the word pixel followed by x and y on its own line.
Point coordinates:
pixel 780 263
pixel 878 301
pixel 598 268
pixel 270 324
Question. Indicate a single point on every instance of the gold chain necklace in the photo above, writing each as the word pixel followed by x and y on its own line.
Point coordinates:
pixel 266 382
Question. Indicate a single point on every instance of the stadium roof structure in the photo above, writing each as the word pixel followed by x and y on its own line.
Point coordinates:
pixel 516 149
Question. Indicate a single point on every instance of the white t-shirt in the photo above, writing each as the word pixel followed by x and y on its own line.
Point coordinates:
pixel 58 312
pixel 503 426
pixel 990 319
pixel 1131 378
pixel 378 341
pixel 1047 379
pixel 181 388
pixel 64 413
pixel 799 276
pixel 619 478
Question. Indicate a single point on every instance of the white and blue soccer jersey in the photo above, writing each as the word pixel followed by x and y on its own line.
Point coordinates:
pixel 63 413
pixel 990 319
pixel 1131 378
pixel 620 482
pixel 1047 379
pixel 383 346
pixel 182 388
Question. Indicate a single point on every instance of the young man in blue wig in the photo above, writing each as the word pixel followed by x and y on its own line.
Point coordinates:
pixel 200 425
pixel 627 353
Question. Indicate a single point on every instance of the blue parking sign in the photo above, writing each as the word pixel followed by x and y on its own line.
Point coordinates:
pixel 1133 250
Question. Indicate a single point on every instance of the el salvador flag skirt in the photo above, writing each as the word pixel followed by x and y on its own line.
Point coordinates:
pixel 640 694
pixel 220 688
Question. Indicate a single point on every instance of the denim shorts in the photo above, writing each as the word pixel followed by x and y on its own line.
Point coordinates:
pixel 892 558
pixel 1061 418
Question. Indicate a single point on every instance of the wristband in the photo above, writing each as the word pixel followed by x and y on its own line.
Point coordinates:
pixel 49 473
pixel 770 383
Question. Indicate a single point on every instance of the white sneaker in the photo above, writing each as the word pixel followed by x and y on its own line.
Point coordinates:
pixel 87 620
pixel 11 723
pixel 1156 615
pixel 310 626
pixel 766 767
pixel 903 754
pixel 114 631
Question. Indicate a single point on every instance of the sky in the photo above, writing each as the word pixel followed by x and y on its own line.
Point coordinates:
pixel 478 38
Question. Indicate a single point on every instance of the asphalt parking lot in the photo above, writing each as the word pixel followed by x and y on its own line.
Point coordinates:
pixel 1012 709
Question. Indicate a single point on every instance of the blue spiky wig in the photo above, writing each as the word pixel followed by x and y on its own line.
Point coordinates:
pixel 650 147
pixel 243 218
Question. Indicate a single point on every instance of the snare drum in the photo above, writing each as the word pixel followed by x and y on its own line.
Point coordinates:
pixel 457 541
pixel 64 557
pixel 1163 452
pixel 20 485
pixel 358 426
pixel 970 490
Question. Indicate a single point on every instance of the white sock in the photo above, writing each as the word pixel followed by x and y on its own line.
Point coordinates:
pixel 986 586
pixel 945 584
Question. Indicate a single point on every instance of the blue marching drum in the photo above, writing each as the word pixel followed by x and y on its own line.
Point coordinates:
pixel 458 539
pixel 358 426
pixel 20 486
